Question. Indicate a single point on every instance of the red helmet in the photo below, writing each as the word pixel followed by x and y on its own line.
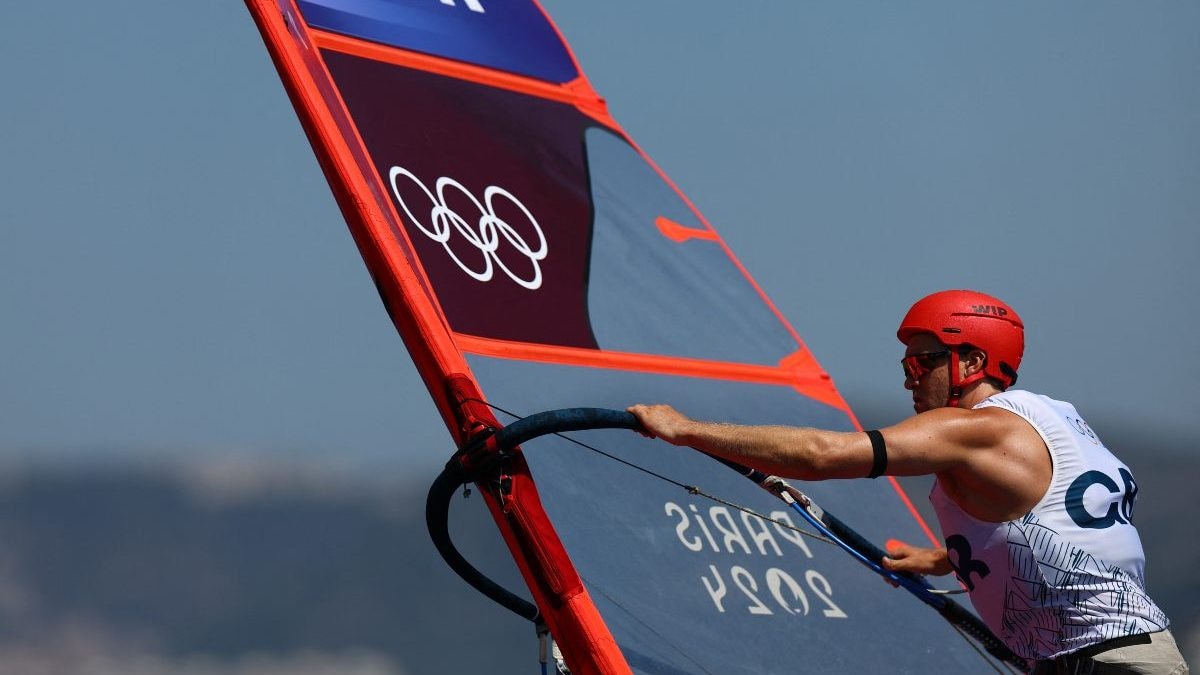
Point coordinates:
pixel 963 317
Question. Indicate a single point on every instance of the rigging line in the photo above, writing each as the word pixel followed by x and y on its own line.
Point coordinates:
pixel 965 624
pixel 866 553
pixel 691 489
pixel 593 586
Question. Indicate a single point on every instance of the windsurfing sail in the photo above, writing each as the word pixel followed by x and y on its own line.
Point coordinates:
pixel 532 257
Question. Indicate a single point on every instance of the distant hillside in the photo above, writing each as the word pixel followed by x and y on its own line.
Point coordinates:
pixel 254 568
pixel 261 572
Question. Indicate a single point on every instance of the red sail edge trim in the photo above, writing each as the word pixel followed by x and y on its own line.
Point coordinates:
pixel 556 587
pixel 543 561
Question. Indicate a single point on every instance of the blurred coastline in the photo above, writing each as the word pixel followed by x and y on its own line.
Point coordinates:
pixel 246 565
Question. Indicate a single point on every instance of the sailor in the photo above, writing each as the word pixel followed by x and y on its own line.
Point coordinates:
pixel 1036 513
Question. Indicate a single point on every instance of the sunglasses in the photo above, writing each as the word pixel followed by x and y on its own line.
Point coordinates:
pixel 917 365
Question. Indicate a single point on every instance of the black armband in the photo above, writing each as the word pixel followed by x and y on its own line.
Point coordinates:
pixel 879 449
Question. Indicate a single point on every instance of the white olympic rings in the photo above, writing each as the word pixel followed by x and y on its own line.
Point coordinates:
pixel 490 227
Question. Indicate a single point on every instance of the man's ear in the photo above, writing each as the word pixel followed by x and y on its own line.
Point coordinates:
pixel 974 361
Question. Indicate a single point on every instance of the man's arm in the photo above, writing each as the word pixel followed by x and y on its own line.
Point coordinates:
pixel 990 461
pixel 792 452
pixel 930 443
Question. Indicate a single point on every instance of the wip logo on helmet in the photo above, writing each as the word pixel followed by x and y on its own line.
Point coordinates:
pixel 989 309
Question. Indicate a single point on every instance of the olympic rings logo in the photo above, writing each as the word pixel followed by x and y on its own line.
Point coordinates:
pixel 485 234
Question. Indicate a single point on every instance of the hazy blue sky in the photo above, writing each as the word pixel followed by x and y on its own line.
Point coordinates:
pixel 174 274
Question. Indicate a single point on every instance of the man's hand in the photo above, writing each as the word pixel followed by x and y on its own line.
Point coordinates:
pixel 902 557
pixel 661 421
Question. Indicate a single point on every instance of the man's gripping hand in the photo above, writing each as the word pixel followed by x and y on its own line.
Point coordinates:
pixel 902 557
pixel 661 421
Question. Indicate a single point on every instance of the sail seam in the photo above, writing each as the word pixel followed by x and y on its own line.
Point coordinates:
pixel 450 68
pixel 648 363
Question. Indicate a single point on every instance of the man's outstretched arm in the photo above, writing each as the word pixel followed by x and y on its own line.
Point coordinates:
pixel 929 443
pixel 791 452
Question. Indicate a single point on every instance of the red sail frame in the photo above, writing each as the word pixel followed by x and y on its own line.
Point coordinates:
pixel 543 562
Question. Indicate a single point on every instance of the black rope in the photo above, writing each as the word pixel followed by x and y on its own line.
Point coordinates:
pixel 649 628
pixel 691 489
pixel 694 490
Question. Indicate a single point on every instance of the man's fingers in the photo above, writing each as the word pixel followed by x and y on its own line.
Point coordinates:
pixel 640 411
pixel 897 548
pixel 890 565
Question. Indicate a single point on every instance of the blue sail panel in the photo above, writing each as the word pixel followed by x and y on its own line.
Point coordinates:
pixel 690 585
pixel 511 36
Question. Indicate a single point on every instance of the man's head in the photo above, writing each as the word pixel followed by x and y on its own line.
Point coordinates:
pixel 978 338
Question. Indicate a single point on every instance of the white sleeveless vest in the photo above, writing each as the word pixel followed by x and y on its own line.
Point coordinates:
pixel 1070 573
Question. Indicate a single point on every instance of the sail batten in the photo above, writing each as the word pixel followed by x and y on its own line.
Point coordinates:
pixel 451 68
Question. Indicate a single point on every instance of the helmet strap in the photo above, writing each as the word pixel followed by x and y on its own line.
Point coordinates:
pixel 957 383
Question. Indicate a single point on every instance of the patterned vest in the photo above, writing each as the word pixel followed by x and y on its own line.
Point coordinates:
pixel 1070 573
